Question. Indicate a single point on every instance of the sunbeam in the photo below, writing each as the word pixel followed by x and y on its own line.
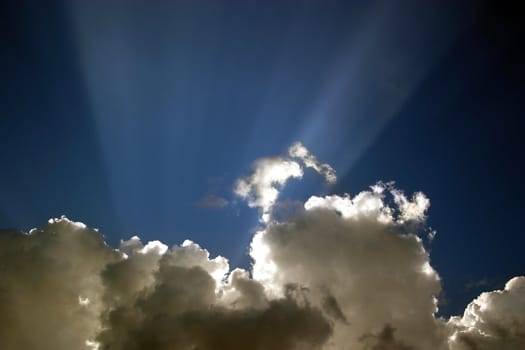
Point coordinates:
pixel 233 175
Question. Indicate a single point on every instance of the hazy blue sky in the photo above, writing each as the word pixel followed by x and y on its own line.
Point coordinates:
pixel 136 117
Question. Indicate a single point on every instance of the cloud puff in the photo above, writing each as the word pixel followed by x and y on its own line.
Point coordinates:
pixel 337 272
pixel 494 320
pixel 261 188
pixel 298 150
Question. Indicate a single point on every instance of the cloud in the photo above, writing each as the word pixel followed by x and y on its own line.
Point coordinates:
pixel 494 320
pixel 336 272
pixel 484 282
pixel 262 187
pixel 298 150
pixel 62 287
pixel 355 253
pixel 44 276
pixel 212 201
pixel 411 210
pixel 384 340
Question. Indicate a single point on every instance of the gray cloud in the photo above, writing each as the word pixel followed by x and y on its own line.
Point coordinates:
pixel 384 340
pixel 212 201
pixel 62 287
pixel 43 277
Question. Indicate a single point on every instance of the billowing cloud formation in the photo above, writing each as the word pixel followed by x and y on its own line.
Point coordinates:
pixel 494 320
pixel 342 272
pixel 50 283
pixel 62 287
pixel 355 254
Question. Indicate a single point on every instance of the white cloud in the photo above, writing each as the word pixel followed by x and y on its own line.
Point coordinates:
pixel 355 253
pixel 494 320
pixel 262 187
pixel 156 247
pixel 298 150
pixel 411 210
pixel 365 205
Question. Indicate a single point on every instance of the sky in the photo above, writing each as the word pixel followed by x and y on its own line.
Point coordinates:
pixel 156 119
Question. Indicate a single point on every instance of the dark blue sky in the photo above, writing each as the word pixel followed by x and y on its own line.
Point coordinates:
pixel 125 114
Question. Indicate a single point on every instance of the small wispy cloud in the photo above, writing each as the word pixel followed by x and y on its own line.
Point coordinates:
pixel 212 201
pixel 262 187
pixel 473 284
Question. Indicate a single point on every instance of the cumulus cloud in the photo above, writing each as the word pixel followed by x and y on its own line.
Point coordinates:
pixel 494 320
pixel 62 287
pixel 336 272
pixel 44 276
pixel 354 252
